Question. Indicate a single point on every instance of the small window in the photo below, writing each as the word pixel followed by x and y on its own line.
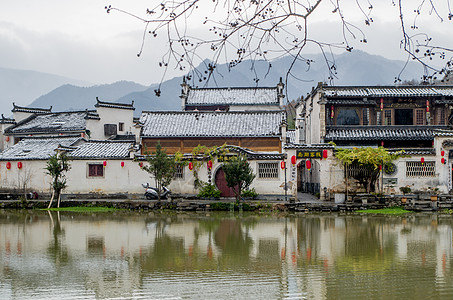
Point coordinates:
pixel 417 169
pixel 348 117
pixel 120 126
pixel 268 170
pixel 404 116
pixel 95 170
pixel 179 173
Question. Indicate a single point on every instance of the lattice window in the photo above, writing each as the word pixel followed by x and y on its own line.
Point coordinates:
pixel 417 169
pixel 366 116
pixel 419 117
pixel 268 170
pixel 441 116
pixel 355 170
pixel 95 170
pixel 179 173
pixel 387 117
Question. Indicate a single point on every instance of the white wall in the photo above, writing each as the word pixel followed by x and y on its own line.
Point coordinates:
pixel 111 116
pixel 116 179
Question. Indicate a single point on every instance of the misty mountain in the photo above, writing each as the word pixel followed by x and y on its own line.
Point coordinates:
pixel 351 68
pixel 355 68
pixel 23 86
pixel 70 97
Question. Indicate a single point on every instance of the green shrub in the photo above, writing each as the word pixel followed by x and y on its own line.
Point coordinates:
pixel 220 206
pixel 405 189
pixel 250 193
pixel 209 190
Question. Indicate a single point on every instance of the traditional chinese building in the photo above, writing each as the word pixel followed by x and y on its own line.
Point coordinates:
pixel 412 118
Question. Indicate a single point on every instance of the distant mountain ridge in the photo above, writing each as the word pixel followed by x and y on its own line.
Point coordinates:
pixel 24 86
pixel 355 68
pixel 70 97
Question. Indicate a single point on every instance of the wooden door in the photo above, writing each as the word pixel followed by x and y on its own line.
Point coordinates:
pixel 221 184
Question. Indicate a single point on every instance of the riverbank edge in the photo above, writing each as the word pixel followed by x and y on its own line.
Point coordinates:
pixel 226 205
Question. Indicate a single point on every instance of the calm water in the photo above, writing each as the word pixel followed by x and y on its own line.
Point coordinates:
pixel 130 255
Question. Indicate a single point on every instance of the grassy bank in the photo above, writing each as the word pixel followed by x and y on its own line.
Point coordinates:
pixel 82 209
pixel 385 211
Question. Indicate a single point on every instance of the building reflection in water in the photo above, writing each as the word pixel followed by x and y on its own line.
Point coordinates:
pixel 317 256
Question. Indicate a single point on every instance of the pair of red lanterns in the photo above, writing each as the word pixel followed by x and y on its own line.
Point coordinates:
pixel 307 163
pixel 208 165
pixel 19 165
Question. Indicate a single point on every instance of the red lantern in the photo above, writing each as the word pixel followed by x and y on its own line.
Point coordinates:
pixel 7 138
pixel 293 159
pixel 382 143
pixel 427 106
pixel 332 112
pixel 191 166
pixel 382 103
pixel 8 165
pixel 422 160
pixel 324 153
pixel 442 152
pixel 104 163
pixel 442 160
pixel 122 164
pixel 141 165
pixel 282 165
pixel 308 164
pixel 19 165
pixel 380 167
pixel 209 164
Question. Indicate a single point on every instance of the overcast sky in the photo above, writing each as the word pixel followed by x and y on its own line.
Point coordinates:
pixel 78 39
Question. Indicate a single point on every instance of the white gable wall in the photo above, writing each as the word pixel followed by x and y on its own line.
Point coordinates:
pixel 111 116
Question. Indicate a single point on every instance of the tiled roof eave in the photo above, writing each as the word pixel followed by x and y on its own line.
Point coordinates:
pixel 99 157
pixel 233 104
pixel 25 132
pixel 379 138
pixel 209 136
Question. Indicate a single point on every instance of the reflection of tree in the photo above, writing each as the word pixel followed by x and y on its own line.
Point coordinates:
pixel 56 250
pixel 235 243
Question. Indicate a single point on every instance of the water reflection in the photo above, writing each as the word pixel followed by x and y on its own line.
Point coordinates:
pixel 129 255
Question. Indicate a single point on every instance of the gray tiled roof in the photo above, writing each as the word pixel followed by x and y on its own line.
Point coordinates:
pixel 233 96
pixel 212 124
pixel 385 133
pixel 309 146
pixel 4 120
pixel 37 148
pixel 33 110
pixel 386 91
pixel 50 123
pixel 102 150
pixel 100 103
pixel 415 151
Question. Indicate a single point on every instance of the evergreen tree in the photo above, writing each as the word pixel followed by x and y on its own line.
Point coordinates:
pixel 56 167
pixel 238 174
pixel 161 167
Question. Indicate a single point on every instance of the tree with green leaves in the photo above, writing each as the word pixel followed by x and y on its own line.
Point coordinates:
pixel 372 160
pixel 161 167
pixel 57 166
pixel 238 174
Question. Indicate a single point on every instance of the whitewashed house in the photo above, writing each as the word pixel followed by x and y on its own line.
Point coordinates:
pixel 259 135
pixel 232 98
pixel 109 121
pixel 416 119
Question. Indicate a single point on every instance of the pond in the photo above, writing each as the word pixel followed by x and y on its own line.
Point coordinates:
pixel 168 255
